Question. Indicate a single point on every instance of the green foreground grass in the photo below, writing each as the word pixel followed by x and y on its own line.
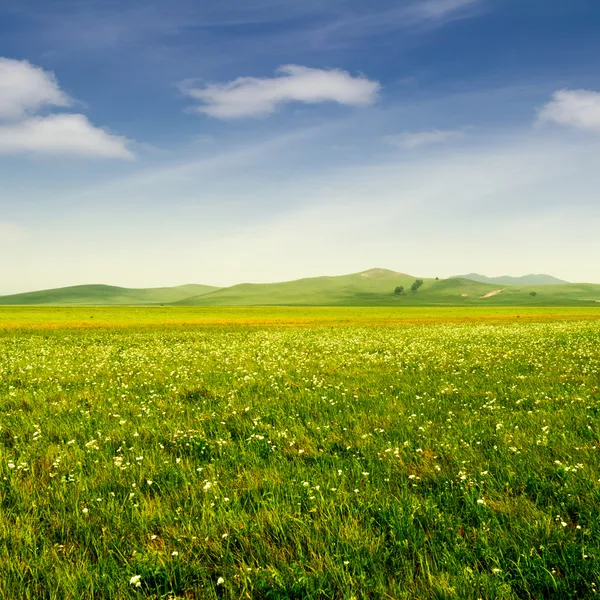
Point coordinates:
pixel 277 454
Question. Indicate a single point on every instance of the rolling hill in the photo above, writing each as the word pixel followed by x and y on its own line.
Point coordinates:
pixel 374 287
pixel 107 295
pixel 507 280
pixel 369 287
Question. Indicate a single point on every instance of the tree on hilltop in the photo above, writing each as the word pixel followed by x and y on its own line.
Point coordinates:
pixel 399 290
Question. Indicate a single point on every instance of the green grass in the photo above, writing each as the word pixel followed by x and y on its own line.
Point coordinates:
pixel 374 287
pixel 107 294
pixel 296 453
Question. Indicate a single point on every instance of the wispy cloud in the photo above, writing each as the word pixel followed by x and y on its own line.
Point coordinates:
pixel 416 16
pixel 219 26
pixel 100 26
pixel 442 9
pixel 573 108
pixel 251 96
pixel 224 164
pixel 24 90
pixel 416 139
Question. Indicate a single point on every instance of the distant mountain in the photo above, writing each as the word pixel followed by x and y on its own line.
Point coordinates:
pixel 106 295
pixel 507 280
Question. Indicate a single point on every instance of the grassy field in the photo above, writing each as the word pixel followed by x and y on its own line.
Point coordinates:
pixel 37 317
pixel 299 453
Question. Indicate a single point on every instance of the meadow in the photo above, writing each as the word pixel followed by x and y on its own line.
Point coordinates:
pixel 446 453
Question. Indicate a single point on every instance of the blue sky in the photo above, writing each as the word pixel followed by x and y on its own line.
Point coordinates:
pixel 161 143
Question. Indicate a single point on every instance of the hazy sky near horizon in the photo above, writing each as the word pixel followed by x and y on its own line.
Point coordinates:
pixel 160 143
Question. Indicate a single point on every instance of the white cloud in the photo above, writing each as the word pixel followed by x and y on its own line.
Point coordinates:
pixel 574 108
pixel 416 139
pixel 25 88
pixel 61 135
pixel 252 96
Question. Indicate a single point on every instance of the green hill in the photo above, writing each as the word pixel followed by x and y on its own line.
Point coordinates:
pixel 369 287
pixel 374 287
pixel 107 295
